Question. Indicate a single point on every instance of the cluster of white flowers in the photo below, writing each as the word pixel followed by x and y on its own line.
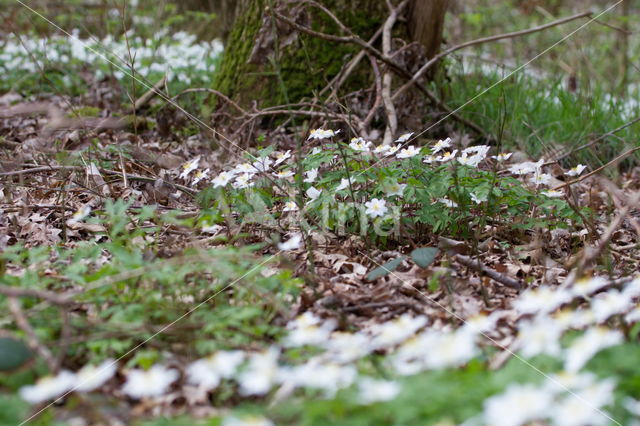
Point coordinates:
pixel 570 397
pixel 278 165
pixel 180 55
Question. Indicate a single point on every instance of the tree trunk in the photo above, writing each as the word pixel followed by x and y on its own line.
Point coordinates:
pixel 268 62
pixel 426 23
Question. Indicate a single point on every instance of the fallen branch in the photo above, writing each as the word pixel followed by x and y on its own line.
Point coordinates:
pixel 149 94
pixel 583 177
pixel 491 273
pixel 32 337
pixel 55 298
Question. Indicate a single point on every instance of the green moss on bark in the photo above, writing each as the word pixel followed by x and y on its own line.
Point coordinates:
pixel 306 65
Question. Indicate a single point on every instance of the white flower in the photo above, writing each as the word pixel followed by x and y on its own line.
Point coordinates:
pixel 371 390
pixel 359 144
pixel 540 178
pixel 391 333
pixel 540 336
pixel 391 150
pixel 261 373
pixel 322 134
pixel 283 174
pixel 282 157
pixel 447 156
pixel 189 166
pixel 576 171
pixel 222 179
pixel 478 200
pixel 304 331
pixel 347 347
pixel 375 208
pixel 91 377
pixel 543 299
pixel 381 148
pixel 610 303
pixel 313 193
pixel 48 387
pixel 552 193
pixel 315 150
pixel 447 202
pixel 632 406
pixel 80 215
pixel 199 176
pixel 211 229
pixel 207 372
pixel 429 159
pixel 292 243
pixel 518 405
pixel 408 152
pixel 328 377
pixel 503 156
pixel 587 286
pixel 480 150
pixel 526 167
pixel 243 181
pixel 440 145
pixel 405 137
pixel 244 168
pixel 470 160
pixel 568 318
pixel 290 206
pixel 481 323
pixel 586 346
pixel 583 408
pixel 395 188
pixel 311 175
pixel 150 383
pixel 247 420
pixel 262 164
pixel 344 183
pixel 447 349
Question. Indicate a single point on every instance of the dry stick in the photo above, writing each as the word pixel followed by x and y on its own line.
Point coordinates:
pixel 144 99
pixel 583 177
pixel 55 298
pixel 491 273
pixel 392 118
pixel 598 139
pixel 591 253
pixel 32 337
pixel 378 100
pixel 339 79
pixel 431 62
pixel 212 91
pixel 182 188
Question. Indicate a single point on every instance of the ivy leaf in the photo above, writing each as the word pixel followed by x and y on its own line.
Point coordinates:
pixel 424 256
pixel 13 353
pixel 385 269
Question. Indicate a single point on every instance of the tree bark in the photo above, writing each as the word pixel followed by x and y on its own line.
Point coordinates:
pixel 269 63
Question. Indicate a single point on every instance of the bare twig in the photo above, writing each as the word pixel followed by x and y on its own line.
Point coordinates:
pixel 179 187
pixel 431 62
pixel 583 177
pixel 55 298
pixel 392 118
pixel 144 99
pixel 598 139
pixel 32 337
pixel 491 273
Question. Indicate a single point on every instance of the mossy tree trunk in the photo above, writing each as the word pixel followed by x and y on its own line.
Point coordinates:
pixel 249 69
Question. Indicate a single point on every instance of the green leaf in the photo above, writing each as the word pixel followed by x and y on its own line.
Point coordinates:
pixel 424 256
pixel 383 270
pixel 13 353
